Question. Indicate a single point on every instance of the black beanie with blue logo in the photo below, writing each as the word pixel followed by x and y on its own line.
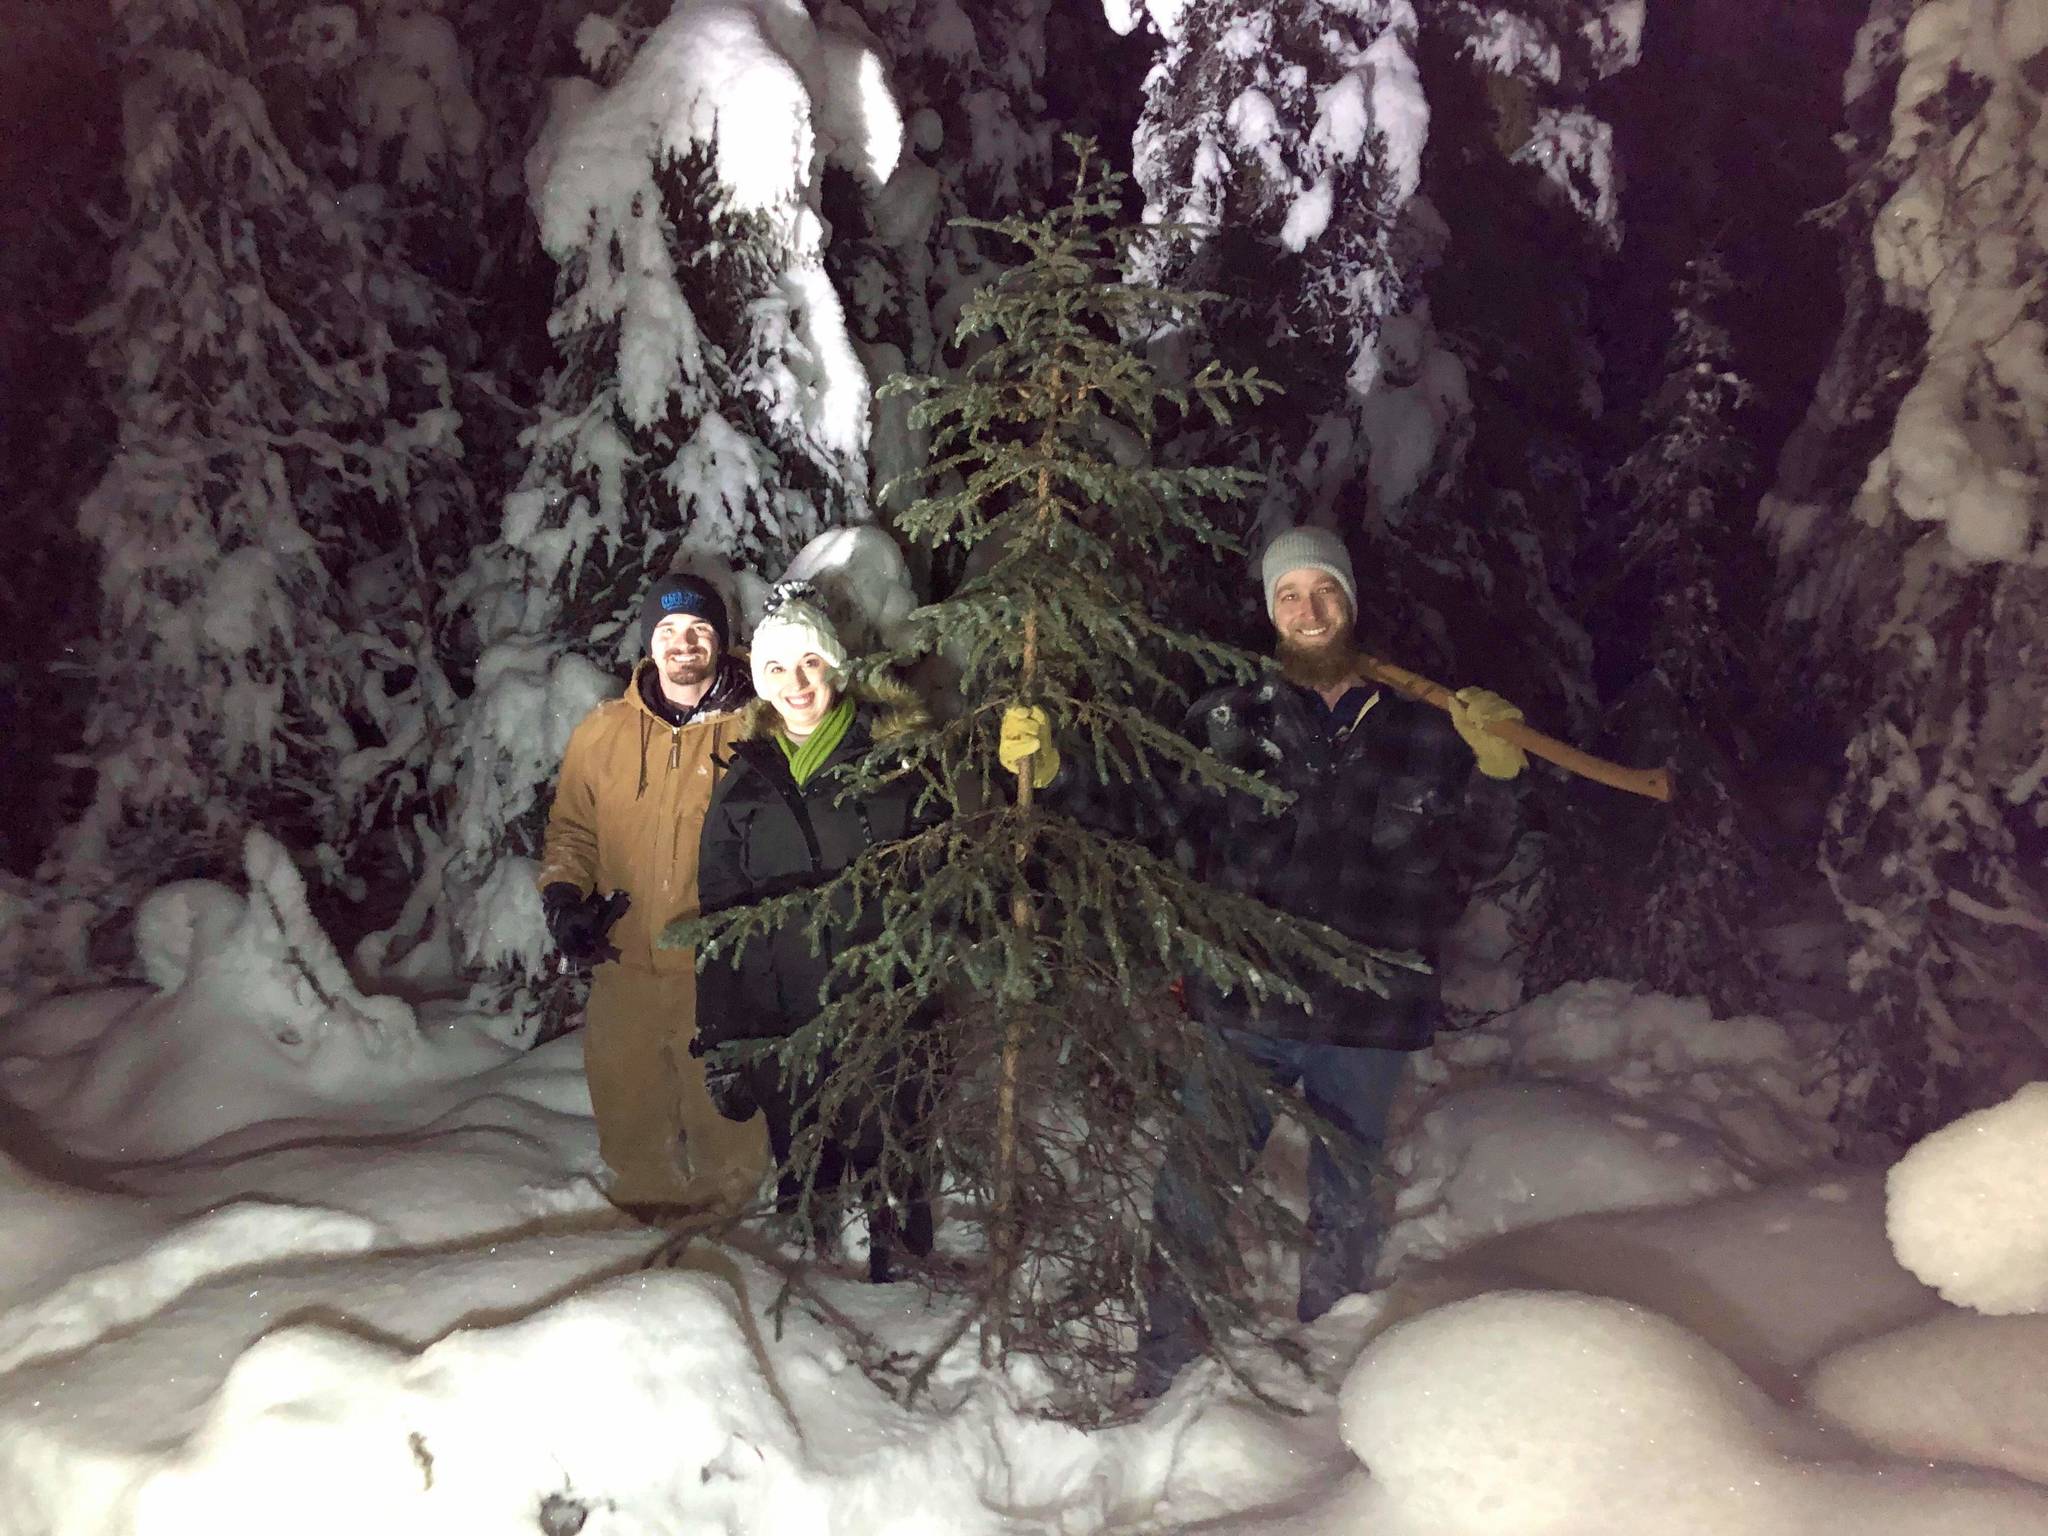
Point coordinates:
pixel 690 595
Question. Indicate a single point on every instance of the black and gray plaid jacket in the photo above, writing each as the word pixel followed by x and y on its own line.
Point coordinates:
pixel 1391 824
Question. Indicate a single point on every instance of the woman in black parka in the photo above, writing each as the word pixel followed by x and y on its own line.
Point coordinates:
pixel 781 820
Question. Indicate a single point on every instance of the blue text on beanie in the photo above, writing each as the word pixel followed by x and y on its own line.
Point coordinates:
pixel 689 595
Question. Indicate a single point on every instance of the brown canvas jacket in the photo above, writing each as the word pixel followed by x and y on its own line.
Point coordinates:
pixel 629 811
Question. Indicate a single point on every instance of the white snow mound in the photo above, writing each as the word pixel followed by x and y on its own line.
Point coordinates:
pixel 1496 1158
pixel 320 1431
pixel 1967 1208
pixel 256 1020
pixel 1959 1387
pixel 1519 1413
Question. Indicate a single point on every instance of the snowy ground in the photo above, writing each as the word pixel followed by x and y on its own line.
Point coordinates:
pixel 285 1257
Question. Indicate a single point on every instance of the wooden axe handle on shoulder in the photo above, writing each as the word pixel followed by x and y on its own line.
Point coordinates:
pixel 1651 783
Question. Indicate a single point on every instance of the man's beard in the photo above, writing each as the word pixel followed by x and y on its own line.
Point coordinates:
pixel 688 671
pixel 1322 666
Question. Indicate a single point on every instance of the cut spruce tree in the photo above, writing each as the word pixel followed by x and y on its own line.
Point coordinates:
pixel 1028 942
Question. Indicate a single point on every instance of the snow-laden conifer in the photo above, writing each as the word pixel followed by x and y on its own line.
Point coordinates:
pixel 1913 593
pixel 1290 139
pixel 284 423
pixel 1403 208
pixel 1667 894
pixel 978 139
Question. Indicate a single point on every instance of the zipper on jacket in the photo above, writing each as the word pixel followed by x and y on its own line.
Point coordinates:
pixel 675 761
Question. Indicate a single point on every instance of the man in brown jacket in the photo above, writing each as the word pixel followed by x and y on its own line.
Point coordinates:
pixel 620 864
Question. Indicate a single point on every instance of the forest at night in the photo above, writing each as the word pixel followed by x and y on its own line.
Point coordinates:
pixel 1672 374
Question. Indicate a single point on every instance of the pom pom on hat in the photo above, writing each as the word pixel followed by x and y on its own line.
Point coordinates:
pixel 793 625
pixel 1315 549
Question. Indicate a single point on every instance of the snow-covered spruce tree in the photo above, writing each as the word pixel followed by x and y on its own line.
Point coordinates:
pixel 269 424
pixel 1914 584
pixel 1289 139
pixel 385 112
pixel 1043 942
pixel 977 139
pixel 1665 895
pixel 1389 260
pixel 1480 564
pixel 707 408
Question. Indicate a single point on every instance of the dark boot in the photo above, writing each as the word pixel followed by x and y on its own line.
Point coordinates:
pixel 882 1236
pixel 789 1193
pixel 917 1221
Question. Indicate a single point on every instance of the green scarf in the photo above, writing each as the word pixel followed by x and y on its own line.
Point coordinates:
pixel 806 757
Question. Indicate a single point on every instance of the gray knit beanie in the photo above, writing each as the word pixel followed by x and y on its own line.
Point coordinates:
pixel 1297 549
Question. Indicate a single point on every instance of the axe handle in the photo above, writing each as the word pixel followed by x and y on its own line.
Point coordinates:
pixel 1651 783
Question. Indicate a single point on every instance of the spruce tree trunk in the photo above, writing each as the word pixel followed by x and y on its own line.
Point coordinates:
pixel 1003 1248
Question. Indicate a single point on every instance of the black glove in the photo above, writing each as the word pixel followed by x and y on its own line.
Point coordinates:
pixel 580 924
pixel 731 1094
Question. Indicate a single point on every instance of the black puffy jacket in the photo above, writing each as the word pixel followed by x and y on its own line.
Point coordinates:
pixel 764 836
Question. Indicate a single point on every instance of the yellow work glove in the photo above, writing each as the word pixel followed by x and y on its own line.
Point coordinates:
pixel 1027 732
pixel 1472 711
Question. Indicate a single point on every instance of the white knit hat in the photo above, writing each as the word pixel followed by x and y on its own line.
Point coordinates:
pixel 792 626
pixel 1313 549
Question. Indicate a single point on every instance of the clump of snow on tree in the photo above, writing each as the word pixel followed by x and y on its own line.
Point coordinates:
pixel 862 575
pixel 1968 1207
pixel 1964 241
pixel 1575 151
pixel 772 97
pixel 413 93
pixel 1614 35
pixel 529 697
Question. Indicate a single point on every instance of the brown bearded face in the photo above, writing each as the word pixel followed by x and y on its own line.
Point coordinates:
pixel 1322 666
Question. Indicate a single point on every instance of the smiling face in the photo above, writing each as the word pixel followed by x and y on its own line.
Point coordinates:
pixel 1310 612
pixel 685 650
pixel 801 689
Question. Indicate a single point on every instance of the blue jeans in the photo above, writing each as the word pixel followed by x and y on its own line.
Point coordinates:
pixel 1352 1089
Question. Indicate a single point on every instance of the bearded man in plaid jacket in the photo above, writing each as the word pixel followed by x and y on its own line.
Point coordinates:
pixel 1398 809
